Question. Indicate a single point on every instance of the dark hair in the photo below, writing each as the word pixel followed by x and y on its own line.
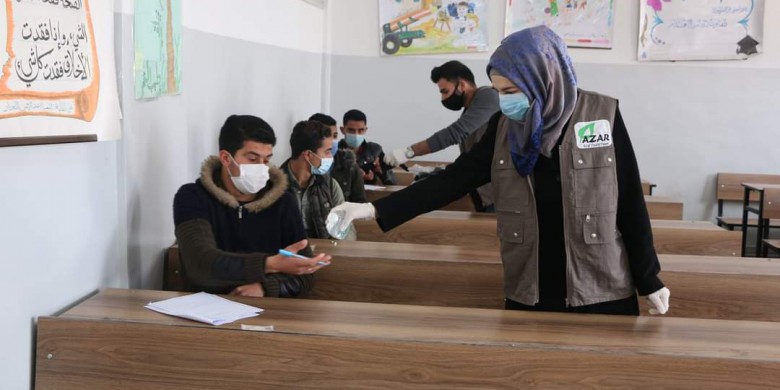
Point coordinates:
pixel 240 128
pixel 452 71
pixel 308 135
pixel 326 120
pixel 354 115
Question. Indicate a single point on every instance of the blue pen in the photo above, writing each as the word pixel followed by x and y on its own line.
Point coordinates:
pixel 287 253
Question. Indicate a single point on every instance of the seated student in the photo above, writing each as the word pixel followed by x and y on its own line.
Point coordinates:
pixel 307 172
pixel 370 156
pixel 231 223
pixel 345 170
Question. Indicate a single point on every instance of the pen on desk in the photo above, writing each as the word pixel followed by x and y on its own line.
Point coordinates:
pixel 291 254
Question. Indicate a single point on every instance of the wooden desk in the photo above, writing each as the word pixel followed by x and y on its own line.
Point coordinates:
pixel 702 286
pixel 768 208
pixel 478 230
pixel 730 189
pixel 663 207
pixel 111 342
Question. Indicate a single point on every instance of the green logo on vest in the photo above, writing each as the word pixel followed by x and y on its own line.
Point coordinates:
pixel 594 134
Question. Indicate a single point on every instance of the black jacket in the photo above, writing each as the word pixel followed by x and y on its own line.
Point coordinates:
pixel 366 154
pixel 224 243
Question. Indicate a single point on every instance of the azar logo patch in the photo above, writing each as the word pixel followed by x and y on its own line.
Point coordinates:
pixel 597 134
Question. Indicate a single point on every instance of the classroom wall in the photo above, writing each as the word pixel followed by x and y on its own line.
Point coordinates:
pixel 687 120
pixel 60 239
pixel 79 217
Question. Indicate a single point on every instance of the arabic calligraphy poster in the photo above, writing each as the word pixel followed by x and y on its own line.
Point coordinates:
pixel 157 36
pixel 58 75
pixel 581 23
pixel 672 30
pixel 432 26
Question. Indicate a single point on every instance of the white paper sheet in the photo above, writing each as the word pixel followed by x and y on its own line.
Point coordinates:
pixel 204 307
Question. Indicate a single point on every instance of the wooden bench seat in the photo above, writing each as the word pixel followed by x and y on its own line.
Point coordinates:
pixel 479 230
pixel 702 286
pixel 110 341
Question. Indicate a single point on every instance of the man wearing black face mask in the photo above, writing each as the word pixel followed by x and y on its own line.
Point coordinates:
pixel 458 91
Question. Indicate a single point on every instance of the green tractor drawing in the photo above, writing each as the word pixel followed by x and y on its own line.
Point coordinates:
pixel 392 41
pixel 396 34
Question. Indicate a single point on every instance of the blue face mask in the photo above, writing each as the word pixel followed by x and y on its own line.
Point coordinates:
pixel 324 167
pixel 334 148
pixel 354 141
pixel 514 105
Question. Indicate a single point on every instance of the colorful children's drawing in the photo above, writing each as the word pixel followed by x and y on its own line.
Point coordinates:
pixel 581 23
pixel 50 62
pixel 678 30
pixel 157 34
pixel 432 26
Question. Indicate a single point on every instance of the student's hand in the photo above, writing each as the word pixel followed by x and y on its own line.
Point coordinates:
pixel 368 176
pixel 659 301
pixel 249 290
pixel 396 158
pixel 295 265
pixel 352 212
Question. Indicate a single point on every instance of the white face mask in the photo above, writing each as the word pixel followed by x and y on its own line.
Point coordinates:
pixel 252 177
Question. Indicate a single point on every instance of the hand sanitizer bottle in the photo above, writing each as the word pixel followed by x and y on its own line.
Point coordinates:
pixel 332 223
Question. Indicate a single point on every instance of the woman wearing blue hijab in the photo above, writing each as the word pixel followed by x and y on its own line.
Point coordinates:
pixel 572 222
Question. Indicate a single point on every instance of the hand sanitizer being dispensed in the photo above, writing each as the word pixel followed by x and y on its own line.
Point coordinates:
pixel 333 222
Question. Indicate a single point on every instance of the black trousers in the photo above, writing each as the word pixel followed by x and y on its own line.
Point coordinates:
pixel 627 306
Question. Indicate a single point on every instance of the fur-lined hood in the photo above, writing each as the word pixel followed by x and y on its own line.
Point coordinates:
pixel 277 185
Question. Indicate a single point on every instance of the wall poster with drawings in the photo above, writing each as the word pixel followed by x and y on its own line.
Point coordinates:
pixel 432 26
pixel 580 23
pixel 58 81
pixel 678 30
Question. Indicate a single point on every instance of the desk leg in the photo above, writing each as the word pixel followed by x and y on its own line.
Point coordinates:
pixel 761 225
pixel 745 205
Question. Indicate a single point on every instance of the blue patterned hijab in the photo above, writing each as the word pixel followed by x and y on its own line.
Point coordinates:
pixel 536 61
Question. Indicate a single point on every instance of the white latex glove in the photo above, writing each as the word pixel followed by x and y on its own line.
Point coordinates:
pixel 352 212
pixel 396 158
pixel 659 301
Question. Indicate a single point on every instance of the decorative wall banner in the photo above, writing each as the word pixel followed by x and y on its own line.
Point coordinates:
pixel 58 76
pixel 157 37
pixel 700 29
pixel 432 26
pixel 581 23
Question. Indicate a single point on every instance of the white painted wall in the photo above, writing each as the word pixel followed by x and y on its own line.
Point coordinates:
pixel 687 120
pixel 80 217
pixel 59 239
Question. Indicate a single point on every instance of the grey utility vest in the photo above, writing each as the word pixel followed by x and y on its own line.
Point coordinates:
pixel 597 268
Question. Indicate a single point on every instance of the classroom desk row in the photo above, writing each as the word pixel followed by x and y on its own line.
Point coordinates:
pixel 110 341
pixel 702 286
pixel 443 275
pixel 478 230
pixel 658 207
pixel 405 178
